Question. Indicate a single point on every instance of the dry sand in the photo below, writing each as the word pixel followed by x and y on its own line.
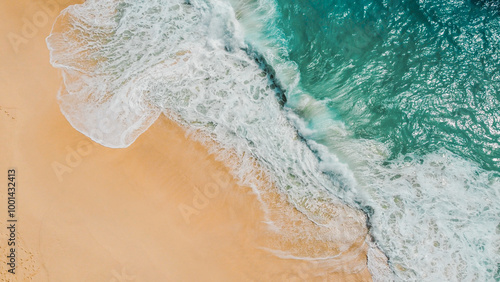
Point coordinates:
pixel 90 213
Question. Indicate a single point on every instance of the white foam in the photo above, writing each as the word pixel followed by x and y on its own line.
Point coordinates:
pixel 126 61
pixel 436 216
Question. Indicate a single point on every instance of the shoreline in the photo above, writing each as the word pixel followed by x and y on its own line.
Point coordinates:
pixel 158 209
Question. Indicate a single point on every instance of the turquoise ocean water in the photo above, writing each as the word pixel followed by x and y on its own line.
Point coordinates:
pixel 396 105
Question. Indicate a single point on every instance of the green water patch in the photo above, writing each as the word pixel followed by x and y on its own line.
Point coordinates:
pixel 416 75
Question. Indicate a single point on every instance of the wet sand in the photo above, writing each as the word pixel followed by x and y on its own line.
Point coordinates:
pixel 162 209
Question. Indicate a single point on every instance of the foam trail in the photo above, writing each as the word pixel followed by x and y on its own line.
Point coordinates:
pixel 187 60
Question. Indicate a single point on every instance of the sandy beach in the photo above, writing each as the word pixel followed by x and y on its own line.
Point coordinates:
pixel 163 209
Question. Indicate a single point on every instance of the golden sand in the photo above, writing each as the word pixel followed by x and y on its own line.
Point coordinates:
pixel 161 210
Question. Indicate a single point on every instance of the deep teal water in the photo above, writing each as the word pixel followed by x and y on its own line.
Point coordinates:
pixel 407 93
pixel 419 75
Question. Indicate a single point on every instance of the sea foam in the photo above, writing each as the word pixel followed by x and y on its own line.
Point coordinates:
pixel 125 62
pixel 435 215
